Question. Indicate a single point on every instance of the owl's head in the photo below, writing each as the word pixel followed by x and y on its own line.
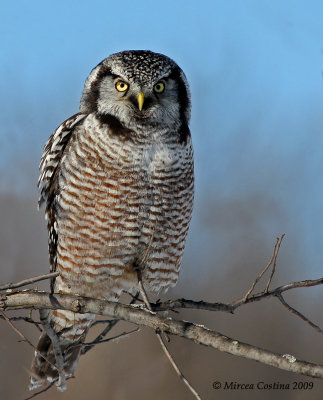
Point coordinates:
pixel 139 88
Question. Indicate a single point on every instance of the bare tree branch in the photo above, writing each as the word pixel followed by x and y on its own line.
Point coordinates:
pixel 292 310
pixel 275 292
pixel 139 316
pixel 29 281
pixel 231 307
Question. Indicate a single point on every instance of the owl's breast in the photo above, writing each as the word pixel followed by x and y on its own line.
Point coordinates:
pixel 170 182
pixel 122 203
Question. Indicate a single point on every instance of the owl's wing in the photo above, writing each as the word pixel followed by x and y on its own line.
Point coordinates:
pixel 48 183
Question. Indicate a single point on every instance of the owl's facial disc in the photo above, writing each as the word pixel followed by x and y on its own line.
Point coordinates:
pixel 138 95
pixel 124 97
pixel 134 100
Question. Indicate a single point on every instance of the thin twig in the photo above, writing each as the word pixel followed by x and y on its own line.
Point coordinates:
pixel 178 371
pixel 26 319
pixel 107 329
pixel 28 281
pixel 159 336
pixel 260 296
pixel 94 342
pixel 139 275
pixel 143 291
pixel 101 321
pixel 150 243
pixel 275 262
pixel 261 273
pixel 134 297
pixel 292 310
pixel 40 391
pixel 29 342
pixel 61 384
pixel 99 338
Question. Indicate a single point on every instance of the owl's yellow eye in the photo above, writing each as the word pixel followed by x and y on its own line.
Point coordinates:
pixel 121 86
pixel 159 87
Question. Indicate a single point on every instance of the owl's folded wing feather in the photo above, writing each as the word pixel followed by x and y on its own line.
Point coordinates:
pixel 49 167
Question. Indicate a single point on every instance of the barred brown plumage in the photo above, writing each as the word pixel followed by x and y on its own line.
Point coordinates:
pixel 113 177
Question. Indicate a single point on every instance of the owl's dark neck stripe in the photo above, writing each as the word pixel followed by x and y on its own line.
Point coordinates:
pixel 184 133
pixel 184 104
pixel 115 125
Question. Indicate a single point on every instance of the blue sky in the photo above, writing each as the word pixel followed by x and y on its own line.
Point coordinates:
pixel 255 69
pixel 238 56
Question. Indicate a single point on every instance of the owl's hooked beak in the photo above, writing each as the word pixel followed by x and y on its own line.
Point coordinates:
pixel 140 99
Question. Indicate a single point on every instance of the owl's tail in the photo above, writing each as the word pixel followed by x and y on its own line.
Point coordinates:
pixel 71 329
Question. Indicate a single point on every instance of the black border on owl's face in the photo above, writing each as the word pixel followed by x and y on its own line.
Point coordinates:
pixel 91 89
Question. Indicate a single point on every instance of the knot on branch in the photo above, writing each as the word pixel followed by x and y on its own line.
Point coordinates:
pixel 3 299
pixel 78 305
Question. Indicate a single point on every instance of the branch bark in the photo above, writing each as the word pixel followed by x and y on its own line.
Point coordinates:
pixel 32 299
